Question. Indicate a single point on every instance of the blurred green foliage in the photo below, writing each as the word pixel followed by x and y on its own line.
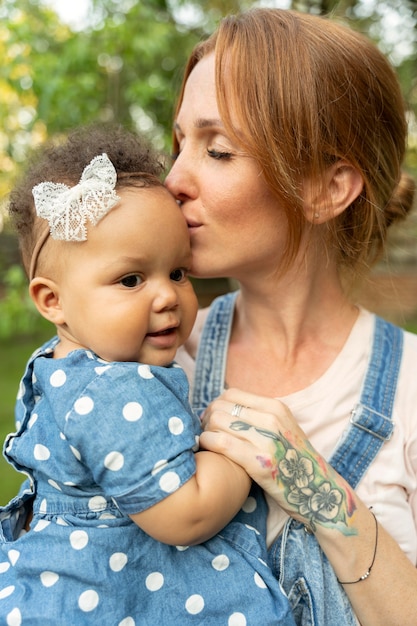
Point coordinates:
pixel 18 315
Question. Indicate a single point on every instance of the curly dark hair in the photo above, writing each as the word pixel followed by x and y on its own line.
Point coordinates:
pixel 63 161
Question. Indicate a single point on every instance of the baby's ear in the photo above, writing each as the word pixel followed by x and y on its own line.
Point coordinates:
pixel 45 295
pixel 342 184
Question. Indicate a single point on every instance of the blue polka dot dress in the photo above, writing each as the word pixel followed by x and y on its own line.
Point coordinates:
pixel 99 441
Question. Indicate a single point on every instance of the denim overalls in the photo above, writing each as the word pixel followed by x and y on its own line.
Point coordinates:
pixel 303 570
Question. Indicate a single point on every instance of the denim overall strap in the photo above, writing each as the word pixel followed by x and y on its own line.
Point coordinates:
pixel 371 420
pixel 210 367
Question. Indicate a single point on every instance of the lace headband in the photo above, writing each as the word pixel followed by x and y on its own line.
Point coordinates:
pixel 67 209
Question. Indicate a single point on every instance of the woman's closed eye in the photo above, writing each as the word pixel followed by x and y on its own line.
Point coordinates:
pixel 218 154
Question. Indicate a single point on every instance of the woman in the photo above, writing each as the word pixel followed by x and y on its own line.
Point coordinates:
pixel 290 133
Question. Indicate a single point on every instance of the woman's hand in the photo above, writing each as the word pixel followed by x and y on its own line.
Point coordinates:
pixel 262 436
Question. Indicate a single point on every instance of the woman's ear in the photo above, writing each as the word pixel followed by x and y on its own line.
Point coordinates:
pixel 341 185
pixel 45 295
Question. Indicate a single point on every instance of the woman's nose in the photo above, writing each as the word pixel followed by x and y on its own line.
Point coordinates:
pixel 180 181
pixel 173 181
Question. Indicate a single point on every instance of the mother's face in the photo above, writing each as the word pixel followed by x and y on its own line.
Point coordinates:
pixel 236 225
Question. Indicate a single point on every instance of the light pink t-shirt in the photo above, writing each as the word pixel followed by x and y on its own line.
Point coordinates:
pixel 323 410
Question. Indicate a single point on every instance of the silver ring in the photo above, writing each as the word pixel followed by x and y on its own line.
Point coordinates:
pixel 237 408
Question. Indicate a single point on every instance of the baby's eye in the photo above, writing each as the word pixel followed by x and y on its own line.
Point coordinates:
pixel 133 280
pixel 178 274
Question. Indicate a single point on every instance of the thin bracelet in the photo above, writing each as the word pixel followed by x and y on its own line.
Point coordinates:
pixel 368 571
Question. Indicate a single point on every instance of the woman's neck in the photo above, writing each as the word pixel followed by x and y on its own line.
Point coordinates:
pixel 288 332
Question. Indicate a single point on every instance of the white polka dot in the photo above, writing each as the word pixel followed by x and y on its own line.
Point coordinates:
pixel 43 506
pixel 117 561
pixel 62 436
pixel 236 619
pixel 32 420
pixel 41 452
pixel 220 562
pixel 78 539
pixel 169 482
pixel 255 530
pixel 61 522
pixel 54 484
pixel 84 405
pixel 132 411
pixel 101 369
pixel 13 556
pixel 114 461
pixel 144 371
pixel 196 446
pixel 259 581
pixel 159 465
pixel 14 618
pixel 127 621
pixel 48 579
pixel 249 506
pixel 58 378
pixel 6 592
pixel 88 600
pixel 76 453
pixel 194 604
pixel 97 503
pixel 43 523
pixel 21 391
pixel 154 581
pixel 263 562
pixel 182 548
pixel 175 425
pixel 4 567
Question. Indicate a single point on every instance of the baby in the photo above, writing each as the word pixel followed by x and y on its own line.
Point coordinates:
pixel 127 512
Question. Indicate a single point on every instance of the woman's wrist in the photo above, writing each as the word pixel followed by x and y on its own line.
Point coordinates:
pixel 352 550
pixel 368 571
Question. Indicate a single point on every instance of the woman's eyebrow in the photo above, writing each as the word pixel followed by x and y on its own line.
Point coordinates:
pixel 202 122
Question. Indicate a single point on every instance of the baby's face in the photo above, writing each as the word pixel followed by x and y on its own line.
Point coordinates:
pixel 125 292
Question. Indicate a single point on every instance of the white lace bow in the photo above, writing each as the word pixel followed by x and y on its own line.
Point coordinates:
pixel 67 209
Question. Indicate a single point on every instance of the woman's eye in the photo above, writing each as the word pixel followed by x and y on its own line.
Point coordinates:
pixel 178 274
pixel 218 154
pixel 133 280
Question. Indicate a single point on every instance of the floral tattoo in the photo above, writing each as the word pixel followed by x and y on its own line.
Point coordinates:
pixel 316 497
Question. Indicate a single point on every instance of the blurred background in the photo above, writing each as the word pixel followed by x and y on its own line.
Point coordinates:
pixel 65 63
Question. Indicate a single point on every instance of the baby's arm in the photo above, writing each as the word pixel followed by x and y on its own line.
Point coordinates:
pixel 202 506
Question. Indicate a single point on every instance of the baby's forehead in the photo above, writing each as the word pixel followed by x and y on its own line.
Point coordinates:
pixel 144 192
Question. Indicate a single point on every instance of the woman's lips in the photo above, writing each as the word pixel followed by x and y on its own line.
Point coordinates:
pixel 193 226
